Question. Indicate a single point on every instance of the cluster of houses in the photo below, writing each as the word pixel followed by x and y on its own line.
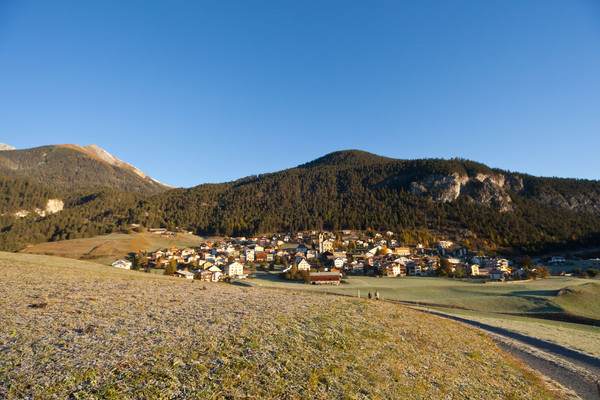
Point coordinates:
pixel 325 255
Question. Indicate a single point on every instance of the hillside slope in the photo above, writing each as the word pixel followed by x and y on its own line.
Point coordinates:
pixel 65 191
pixel 358 190
pixel 96 332
pixel 72 167
pixel 22 196
pixel 468 202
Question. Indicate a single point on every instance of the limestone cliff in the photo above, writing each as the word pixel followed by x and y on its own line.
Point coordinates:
pixel 480 188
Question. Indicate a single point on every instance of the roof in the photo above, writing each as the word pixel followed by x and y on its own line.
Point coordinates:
pixel 185 273
pixel 324 274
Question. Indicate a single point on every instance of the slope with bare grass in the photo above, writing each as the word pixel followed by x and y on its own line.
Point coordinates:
pixel 107 248
pixel 81 330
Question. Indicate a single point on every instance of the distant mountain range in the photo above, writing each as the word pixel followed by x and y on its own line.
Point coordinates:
pixel 469 202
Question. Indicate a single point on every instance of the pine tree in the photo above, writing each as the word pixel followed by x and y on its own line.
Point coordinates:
pixel 171 267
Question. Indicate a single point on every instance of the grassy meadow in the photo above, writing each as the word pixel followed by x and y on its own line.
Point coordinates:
pixel 75 329
pixel 579 296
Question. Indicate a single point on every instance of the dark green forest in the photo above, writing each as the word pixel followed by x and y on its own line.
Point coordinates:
pixel 342 190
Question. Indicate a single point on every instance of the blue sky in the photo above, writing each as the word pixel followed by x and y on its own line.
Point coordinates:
pixel 211 91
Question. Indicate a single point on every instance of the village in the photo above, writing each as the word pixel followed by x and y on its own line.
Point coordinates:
pixel 327 257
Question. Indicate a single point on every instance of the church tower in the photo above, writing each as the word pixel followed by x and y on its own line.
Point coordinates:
pixel 321 243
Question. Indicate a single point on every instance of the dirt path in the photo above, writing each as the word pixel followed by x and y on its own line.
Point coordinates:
pixel 574 370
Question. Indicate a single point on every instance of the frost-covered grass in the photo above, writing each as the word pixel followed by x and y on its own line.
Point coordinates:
pixel 539 296
pixel 100 332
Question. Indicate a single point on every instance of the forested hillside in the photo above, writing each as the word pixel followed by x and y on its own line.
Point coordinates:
pixel 23 194
pixel 358 190
pixel 84 216
pixel 459 199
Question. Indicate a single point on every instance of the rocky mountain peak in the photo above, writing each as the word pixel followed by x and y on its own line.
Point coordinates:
pixel 4 146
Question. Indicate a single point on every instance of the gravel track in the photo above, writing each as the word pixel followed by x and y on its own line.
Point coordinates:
pixel 575 370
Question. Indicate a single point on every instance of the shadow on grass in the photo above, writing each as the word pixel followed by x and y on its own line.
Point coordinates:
pixel 539 293
pixel 536 303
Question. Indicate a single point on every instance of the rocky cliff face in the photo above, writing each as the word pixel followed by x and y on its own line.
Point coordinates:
pixel 494 189
pixel 480 188
pixel 440 187
pixel 583 202
pixel 52 206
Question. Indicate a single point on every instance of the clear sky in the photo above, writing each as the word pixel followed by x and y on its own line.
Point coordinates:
pixel 211 91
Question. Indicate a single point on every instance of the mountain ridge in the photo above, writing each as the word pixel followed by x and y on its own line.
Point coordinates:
pixel 341 190
pixel 73 167
pixel 452 178
pixel 358 190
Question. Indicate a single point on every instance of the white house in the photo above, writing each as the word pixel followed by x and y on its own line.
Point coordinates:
pixel 357 267
pixel 454 261
pixel 234 269
pixel 211 274
pixel 122 264
pixel 184 274
pixel 398 269
pixel 187 252
pixel 445 244
pixel 303 265
pixel 339 262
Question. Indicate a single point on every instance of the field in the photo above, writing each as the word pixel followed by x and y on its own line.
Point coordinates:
pixel 581 297
pixel 108 248
pixel 74 329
